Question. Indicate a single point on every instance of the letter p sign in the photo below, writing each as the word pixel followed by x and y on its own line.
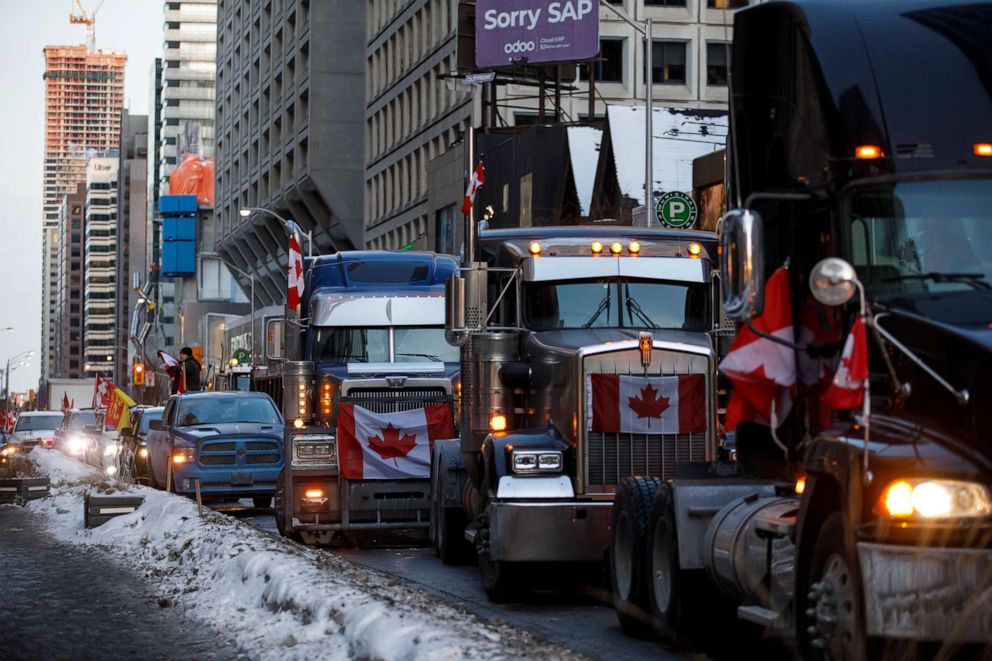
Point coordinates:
pixel 676 210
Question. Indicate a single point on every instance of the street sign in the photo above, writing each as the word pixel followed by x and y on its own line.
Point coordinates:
pixel 676 210
pixel 242 356
pixel 480 78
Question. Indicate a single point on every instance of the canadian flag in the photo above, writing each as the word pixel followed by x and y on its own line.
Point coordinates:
pixel 477 181
pixel 646 404
pixel 380 446
pixel 66 404
pixel 295 293
pixel 763 371
pixel 847 390
pixel 172 367
pixel 101 393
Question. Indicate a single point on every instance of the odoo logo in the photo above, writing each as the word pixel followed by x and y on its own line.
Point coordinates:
pixel 519 47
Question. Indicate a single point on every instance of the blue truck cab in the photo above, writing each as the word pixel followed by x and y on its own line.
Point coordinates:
pixel 370 333
pixel 231 442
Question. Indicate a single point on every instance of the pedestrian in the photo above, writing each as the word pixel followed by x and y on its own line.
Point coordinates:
pixel 190 369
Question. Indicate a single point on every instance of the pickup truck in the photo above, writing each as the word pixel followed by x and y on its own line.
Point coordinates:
pixel 231 442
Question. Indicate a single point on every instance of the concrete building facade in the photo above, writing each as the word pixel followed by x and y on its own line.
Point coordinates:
pixel 100 267
pixel 84 96
pixel 290 103
pixel 132 229
pixel 68 359
pixel 188 75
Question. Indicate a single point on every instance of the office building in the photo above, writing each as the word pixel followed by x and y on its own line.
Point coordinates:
pixel 68 360
pixel 132 228
pixel 100 267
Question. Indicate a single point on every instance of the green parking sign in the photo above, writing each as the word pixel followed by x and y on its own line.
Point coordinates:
pixel 242 356
pixel 676 210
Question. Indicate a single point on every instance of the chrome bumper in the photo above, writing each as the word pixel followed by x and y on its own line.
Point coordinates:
pixel 549 532
pixel 927 593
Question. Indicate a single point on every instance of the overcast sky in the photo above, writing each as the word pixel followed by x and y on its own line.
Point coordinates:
pixel 27 26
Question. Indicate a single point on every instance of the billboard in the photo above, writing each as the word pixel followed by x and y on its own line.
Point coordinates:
pixel 514 32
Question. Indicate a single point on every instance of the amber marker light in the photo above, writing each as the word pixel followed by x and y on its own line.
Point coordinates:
pixel 983 149
pixel 800 484
pixel 313 493
pixel 695 249
pixel 616 247
pixel 597 247
pixel 179 458
pixel 298 423
pixel 634 247
pixel 535 248
pixel 868 152
pixel 898 499
pixel 497 422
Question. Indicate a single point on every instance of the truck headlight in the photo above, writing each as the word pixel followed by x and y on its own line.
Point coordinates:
pixel 314 449
pixel 76 445
pixel 110 450
pixel 8 450
pixel 536 461
pixel 935 499
pixel 183 456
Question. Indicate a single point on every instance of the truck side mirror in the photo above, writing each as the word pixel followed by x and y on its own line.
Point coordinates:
pixel 156 425
pixel 275 333
pixel 454 311
pixel 742 264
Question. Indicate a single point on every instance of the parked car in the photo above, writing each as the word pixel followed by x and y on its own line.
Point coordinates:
pixel 231 442
pixel 36 428
pixel 77 433
pixel 7 448
pixel 132 459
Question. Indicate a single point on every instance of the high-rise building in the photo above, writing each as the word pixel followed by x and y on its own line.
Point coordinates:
pixel 132 227
pixel 84 96
pixel 189 67
pixel 100 266
pixel 68 360
pixel 290 107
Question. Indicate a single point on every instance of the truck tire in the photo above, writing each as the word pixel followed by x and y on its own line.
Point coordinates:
pixel 499 579
pixel 261 502
pixel 628 553
pixel 280 513
pixel 448 525
pixel 835 617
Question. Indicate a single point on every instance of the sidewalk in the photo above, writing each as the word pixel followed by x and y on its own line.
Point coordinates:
pixel 61 601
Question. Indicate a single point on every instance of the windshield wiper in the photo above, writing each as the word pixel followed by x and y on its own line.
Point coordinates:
pixel 634 308
pixel 429 356
pixel 603 305
pixel 977 280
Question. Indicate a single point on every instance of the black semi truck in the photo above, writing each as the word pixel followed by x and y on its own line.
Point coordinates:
pixel 860 158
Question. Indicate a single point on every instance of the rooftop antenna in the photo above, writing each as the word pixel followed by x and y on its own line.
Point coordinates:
pixel 89 20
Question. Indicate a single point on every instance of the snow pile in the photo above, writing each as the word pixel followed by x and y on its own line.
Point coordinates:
pixel 60 468
pixel 277 599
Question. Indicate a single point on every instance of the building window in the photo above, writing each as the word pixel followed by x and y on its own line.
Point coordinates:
pixel 609 66
pixel 446 223
pixel 668 62
pixel 726 4
pixel 717 56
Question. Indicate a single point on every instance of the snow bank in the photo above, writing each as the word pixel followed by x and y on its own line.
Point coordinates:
pixel 277 599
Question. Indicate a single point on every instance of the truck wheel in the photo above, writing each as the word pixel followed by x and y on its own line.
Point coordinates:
pixel 835 618
pixel 499 579
pixel 449 534
pixel 280 513
pixel 628 551
pixel 261 502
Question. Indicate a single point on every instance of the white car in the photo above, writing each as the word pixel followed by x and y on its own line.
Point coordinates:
pixel 36 427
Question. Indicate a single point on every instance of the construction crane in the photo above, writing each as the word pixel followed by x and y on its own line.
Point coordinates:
pixel 89 20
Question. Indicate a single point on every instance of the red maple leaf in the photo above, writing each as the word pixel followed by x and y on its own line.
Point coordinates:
pixel 649 404
pixel 391 445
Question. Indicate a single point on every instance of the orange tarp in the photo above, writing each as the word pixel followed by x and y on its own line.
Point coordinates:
pixel 194 176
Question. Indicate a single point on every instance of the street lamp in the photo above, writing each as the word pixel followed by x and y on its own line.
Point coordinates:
pixel 290 226
pixel 251 279
pixel 13 359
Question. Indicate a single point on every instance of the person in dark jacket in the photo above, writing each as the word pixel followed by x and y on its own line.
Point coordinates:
pixel 191 369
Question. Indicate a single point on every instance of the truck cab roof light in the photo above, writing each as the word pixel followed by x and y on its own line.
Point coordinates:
pixel 616 247
pixel 497 422
pixel 695 249
pixel 298 423
pixel 983 149
pixel 868 152
pixel 535 248
pixel 597 247
pixel 634 247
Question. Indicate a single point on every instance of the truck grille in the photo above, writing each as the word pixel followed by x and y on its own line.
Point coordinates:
pixel 218 459
pixel 272 458
pixel 613 456
pixel 239 453
pixel 394 400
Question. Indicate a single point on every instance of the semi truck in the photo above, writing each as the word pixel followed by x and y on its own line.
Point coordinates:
pixel 368 384
pixel 860 174
pixel 586 357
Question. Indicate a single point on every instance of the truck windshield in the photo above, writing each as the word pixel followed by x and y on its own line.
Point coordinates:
pixel 616 303
pixel 146 420
pixel 38 422
pixel 372 345
pixel 221 410
pixel 916 239
pixel 82 419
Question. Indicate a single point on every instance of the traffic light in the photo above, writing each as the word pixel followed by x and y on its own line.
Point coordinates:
pixel 138 374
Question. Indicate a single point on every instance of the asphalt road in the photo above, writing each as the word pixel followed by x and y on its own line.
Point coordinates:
pixel 571 614
pixel 63 601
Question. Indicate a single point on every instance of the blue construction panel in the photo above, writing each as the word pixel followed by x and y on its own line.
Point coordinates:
pixel 179 228
pixel 178 258
pixel 177 204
